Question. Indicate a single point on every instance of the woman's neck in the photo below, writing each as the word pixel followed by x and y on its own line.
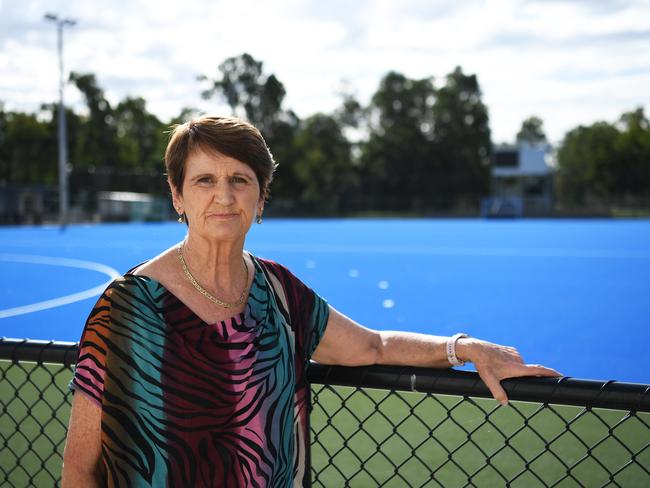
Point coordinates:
pixel 217 266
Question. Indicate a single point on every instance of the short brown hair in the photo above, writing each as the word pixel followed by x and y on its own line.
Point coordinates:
pixel 226 135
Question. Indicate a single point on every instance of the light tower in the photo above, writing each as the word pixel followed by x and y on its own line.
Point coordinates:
pixel 63 140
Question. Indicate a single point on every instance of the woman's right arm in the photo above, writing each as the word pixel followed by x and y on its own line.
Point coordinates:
pixel 82 453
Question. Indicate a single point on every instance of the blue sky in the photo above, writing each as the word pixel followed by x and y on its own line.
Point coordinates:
pixel 570 62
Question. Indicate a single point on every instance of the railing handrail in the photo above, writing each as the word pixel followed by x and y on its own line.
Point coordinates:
pixel 56 352
pixel 615 395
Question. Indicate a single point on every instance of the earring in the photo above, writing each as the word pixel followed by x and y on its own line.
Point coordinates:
pixel 259 218
pixel 181 218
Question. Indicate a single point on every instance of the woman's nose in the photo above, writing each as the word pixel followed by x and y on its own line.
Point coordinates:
pixel 223 194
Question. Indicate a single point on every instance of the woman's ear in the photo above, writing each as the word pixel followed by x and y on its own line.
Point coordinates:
pixel 177 198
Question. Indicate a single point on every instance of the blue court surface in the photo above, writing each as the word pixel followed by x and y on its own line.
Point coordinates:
pixel 572 294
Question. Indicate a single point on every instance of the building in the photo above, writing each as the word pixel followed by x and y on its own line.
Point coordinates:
pixel 131 206
pixel 27 204
pixel 521 181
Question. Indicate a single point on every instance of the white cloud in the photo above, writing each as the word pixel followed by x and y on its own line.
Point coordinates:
pixel 571 62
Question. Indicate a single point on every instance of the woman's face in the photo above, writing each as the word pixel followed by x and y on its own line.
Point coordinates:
pixel 221 196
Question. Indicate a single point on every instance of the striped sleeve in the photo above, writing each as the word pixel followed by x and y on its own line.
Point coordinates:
pixel 308 311
pixel 90 369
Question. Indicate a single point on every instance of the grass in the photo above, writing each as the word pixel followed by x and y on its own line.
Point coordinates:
pixel 34 413
pixel 375 437
pixel 396 439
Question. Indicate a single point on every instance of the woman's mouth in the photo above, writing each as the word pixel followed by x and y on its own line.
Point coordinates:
pixel 222 216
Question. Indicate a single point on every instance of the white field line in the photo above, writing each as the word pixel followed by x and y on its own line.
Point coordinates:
pixel 64 300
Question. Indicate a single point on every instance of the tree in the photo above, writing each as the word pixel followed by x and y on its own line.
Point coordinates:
pixel 398 161
pixel 184 115
pixel 587 164
pixel 606 161
pixel 462 133
pixel 97 140
pixel 633 151
pixel 635 120
pixel 286 188
pixel 324 170
pixel 249 92
pixel 140 135
pixel 351 113
pixel 532 131
pixel 28 151
pixel 5 166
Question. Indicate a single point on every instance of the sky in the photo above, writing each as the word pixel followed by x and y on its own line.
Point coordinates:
pixel 570 62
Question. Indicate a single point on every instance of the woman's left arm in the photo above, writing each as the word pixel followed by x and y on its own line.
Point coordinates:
pixel 347 343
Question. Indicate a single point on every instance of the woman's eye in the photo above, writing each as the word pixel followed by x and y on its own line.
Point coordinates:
pixel 205 179
pixel 238 179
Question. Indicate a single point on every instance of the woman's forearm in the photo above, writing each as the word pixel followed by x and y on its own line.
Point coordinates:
pixel 412 349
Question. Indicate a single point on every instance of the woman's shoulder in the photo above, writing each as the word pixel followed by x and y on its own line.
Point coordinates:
pixel 280 271
pixel 156 268
pixel 271 266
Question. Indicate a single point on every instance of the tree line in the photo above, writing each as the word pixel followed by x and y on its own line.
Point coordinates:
pixel 415 147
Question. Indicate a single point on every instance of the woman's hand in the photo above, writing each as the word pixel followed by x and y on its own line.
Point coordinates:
pixel 494 363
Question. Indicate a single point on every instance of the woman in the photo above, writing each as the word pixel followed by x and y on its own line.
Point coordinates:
pixel 192 367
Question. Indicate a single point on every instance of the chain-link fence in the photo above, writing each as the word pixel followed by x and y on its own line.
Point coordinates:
pixel 383 426
pixel 34 410
pixel 388 426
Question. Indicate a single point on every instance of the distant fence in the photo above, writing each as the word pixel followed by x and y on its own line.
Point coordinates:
pixel 383 426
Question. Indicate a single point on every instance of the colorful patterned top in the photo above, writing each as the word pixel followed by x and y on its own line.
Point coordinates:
pixel 187 404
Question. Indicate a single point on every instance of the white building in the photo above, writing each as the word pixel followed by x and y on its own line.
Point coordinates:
pixel 521 181
pixel 131 206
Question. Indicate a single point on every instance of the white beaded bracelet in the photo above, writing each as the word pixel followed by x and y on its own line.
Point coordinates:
pixel 451 349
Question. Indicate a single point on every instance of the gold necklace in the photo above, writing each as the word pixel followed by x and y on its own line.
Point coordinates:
pixel 205 292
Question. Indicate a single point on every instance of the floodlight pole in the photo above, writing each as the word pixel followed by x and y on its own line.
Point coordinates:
pixel 63 139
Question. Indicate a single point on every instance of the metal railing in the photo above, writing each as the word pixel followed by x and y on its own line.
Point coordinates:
pixel 383 426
